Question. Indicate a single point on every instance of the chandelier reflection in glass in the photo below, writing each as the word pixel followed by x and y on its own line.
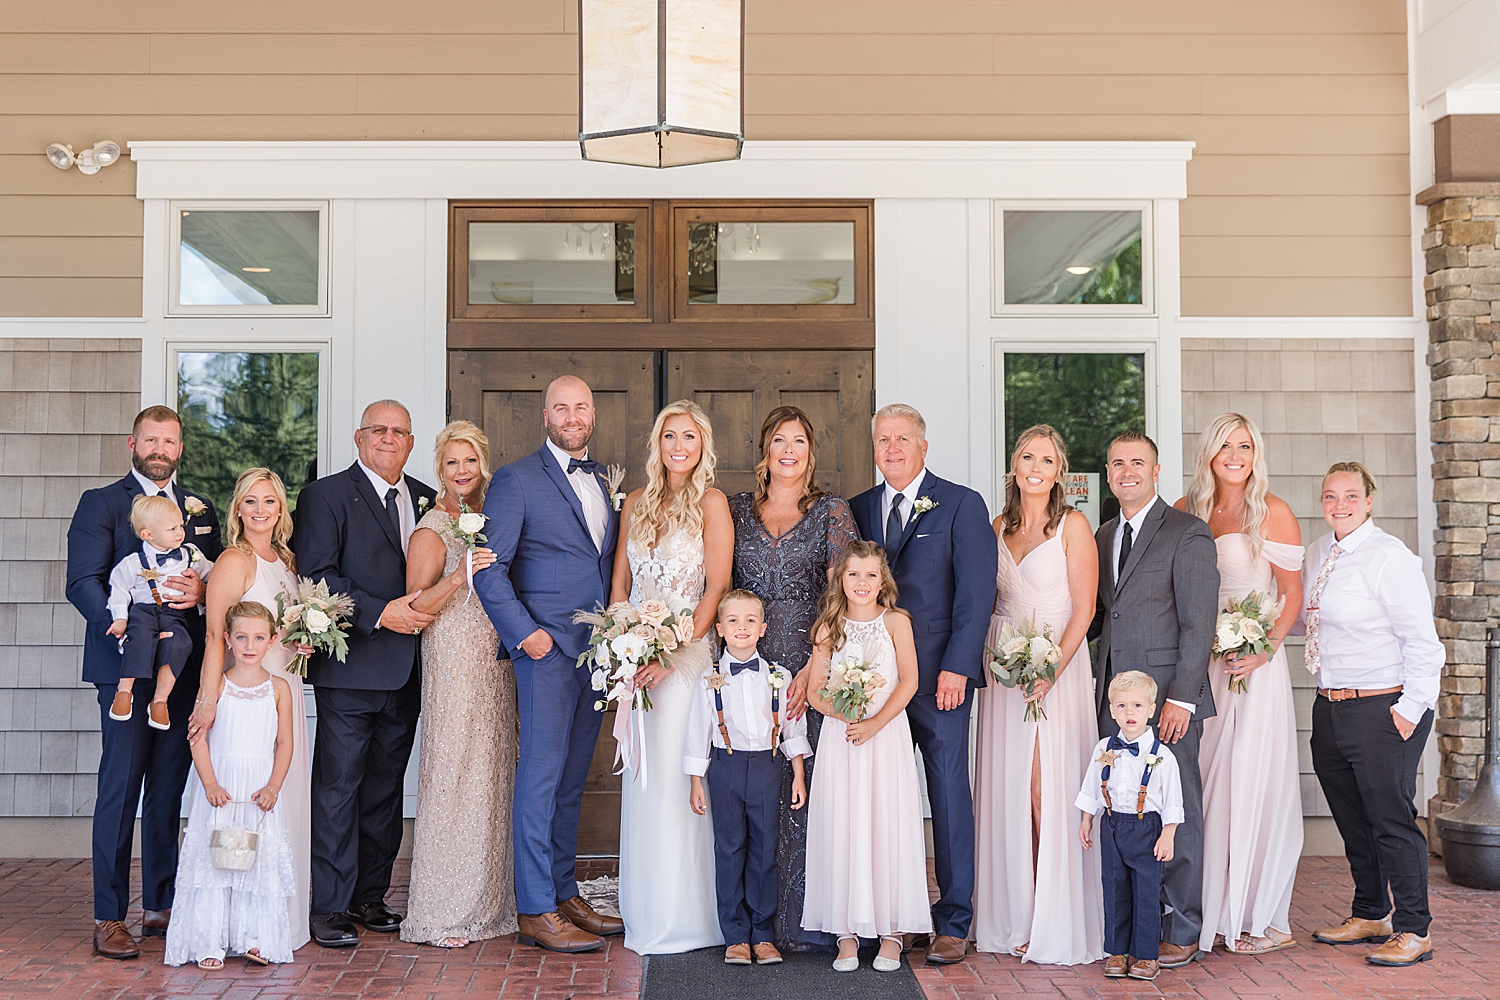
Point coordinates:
pixel 661 81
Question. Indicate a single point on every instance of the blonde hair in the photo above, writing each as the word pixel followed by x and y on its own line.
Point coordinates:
pixel 1201 491
pixel 147 508
pixel 281 531
pixel 829 629
pixel 901 410
pixel 1057 501
pixel 1132 680
pixel 774 420
pixel 748 596
pixel 249 609
pixel 466 432
pixel 1356 468
pixel 654 516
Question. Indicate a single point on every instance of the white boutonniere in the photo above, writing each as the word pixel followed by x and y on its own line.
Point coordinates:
pixel 194 506
pixel 777 677
pixel 613 477
pixel 194 556
pixel 922 505
pixel 1152 759
pixel 422 504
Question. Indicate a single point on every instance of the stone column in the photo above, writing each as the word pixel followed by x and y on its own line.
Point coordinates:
pixel 1463 313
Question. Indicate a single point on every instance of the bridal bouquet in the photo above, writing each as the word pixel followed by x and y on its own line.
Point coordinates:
pixel 852 684
pixel 625 638
pixel 316 618
pixel 468 530
pixel 1244 629
pixel 1024 657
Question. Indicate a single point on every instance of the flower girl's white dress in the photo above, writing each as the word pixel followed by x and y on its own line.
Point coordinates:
pixel 866 853
pixel 219 912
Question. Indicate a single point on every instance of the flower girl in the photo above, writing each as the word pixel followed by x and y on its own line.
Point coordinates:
pixel 221 910
pixel 866 854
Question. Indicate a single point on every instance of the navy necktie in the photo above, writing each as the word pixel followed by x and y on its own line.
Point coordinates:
pixel 392 511
pixel 893 522
pixel 1118 745
pixel 751 664
pixel 162 558
pixel 586 464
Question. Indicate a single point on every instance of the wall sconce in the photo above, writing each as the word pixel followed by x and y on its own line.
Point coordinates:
pixel 90 161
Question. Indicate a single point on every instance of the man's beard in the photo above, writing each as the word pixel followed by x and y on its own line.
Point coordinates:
pixel 571 440
pixel 156 467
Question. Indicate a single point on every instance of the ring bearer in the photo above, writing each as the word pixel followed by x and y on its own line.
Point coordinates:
pixel 734 732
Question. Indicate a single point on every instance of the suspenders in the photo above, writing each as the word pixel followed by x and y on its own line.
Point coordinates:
pixel 1140 799
pixel 716 684
pixel 150 576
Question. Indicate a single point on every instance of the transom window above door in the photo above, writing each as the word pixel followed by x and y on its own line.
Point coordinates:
pixel 1074 259
pixel 251 258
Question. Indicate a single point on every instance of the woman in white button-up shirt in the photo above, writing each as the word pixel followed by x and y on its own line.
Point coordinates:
pixel 1372 645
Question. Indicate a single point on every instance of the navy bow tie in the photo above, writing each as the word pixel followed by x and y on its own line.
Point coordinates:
pixel 751 664
pixel 1117 744
pixel 586 464
pixel 162 558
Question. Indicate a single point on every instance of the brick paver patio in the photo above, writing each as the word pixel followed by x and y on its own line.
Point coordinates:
pixel 45 926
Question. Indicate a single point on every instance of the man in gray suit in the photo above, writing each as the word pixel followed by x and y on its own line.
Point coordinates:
pixel 1158 602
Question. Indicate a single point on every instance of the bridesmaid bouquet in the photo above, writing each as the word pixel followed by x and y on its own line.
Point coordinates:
pixel 1244 629
pixel 468 530
pixel 852 684
pixel 1024 657
pixel 624 639
pixel 315 618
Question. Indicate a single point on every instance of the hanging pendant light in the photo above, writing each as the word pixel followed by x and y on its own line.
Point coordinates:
pixel 661 82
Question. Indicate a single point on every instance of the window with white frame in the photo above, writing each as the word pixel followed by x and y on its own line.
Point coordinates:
pixel 249 258
pixel 1093 258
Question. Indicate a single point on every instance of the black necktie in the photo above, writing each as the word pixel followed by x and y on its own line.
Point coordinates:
pixel 1118 745
pixel 586 464
pixel 751 664
pixel 1124 552
pixel 392 511
pixel 162 558
pixel 893 523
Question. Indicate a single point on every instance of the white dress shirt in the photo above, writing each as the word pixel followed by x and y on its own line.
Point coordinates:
pixel 590 494
pixel 403 502
pixel 1375 627
pixel 127 586
pixel 911 493
pixel 1163 791
pixel 1136 523
pixel 151 489
pixel 747 716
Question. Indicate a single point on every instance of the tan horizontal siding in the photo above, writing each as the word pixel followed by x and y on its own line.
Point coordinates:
pixel 69 257
pixel 1299 110
pixel 92 296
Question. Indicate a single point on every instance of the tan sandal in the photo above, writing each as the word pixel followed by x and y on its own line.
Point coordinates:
pixel 1248 945
pixel 211 964
pixel 256 958
pixel 451 942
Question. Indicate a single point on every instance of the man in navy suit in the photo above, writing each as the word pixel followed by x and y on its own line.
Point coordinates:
pixel 552 526
pixel 133 754
pixel 943 553
pixel 352 531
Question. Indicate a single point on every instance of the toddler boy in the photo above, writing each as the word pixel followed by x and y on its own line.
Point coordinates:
pixel 735 727
pixel 154 635
pixel 1134 779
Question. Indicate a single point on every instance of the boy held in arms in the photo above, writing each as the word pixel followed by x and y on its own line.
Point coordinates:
pixel 1134 779
pixel 734 730
pixel 155 639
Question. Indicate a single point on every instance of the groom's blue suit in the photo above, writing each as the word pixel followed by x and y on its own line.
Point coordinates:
pixel 945 563
pixel 547 567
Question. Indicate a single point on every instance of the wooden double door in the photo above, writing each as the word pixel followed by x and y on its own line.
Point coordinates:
pixel 501 391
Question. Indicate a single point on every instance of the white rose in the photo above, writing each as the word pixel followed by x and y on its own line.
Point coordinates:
pixel 1228 634
pixel 1251 629
pixel 628 647
pixel 1014 647
pixel 653 612
pixel 1041 646
pixel 471 523
pixel 317 622
pixel 293 615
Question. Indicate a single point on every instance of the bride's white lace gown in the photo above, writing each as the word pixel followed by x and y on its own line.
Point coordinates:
pixel 667 851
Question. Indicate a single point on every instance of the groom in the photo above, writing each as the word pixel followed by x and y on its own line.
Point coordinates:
pixel 1158 601
pixel 942 551
pixel 552 529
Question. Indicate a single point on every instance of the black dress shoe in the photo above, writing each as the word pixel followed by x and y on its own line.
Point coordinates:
pixel 376 917
pixel 154 922
pixel 333 930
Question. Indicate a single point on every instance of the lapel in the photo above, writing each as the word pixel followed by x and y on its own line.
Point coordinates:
pixel 611 519
pixel 869 509
pixel 560 480
pixel 375 502
pixel 928 481
pixel 1149 527
pixel 1104 543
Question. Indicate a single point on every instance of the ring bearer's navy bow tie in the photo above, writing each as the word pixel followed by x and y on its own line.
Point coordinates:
pixel 751 664
pixel 586 464
pixel 162 558
pixel 1117 744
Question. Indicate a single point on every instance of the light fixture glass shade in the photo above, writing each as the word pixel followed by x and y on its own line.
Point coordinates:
pixel 661 81
pixel 60 155
pixel 106 152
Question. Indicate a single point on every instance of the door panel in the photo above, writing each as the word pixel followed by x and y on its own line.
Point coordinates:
pixel 738 389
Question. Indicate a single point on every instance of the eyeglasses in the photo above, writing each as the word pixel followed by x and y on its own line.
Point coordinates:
pixel 380 431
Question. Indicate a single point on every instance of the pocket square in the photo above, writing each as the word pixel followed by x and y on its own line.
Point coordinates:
pixel 924 536
pixel 203 529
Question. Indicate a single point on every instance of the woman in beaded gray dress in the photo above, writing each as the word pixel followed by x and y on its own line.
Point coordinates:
pixel 462 881
pixel 787 536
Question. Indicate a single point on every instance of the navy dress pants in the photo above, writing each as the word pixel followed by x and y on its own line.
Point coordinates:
pixel 744 796
pixel 145 650
pixel 1132 884
pixel 943 738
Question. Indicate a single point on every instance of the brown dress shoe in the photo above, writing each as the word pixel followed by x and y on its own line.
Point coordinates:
pixel 1145 968
pixel 1355 930
pixel 737 954
pixel 1404 948
pixel 582 915
pixel 1174 956
pixel 910 941
pixel 946 949
pixel 154 922
pixel 157 716
pixel 766 954
pixel 554 933
pixel 1116 966
pixel 113 940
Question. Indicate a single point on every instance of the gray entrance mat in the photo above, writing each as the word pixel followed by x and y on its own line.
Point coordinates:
pixel 702 975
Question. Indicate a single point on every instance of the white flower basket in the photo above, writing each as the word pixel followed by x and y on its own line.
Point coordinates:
pixel 233 848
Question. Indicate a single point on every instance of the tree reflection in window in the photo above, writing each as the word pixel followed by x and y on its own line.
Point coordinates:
pixel 240 410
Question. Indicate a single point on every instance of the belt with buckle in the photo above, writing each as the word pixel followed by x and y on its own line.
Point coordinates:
pixel 1344 694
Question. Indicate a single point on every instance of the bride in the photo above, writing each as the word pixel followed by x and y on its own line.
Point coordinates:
pixel 680 548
